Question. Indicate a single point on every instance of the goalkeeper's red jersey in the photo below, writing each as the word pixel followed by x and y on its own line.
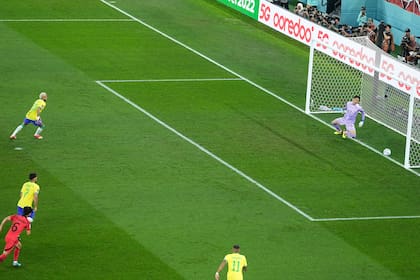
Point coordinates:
pixel 19 223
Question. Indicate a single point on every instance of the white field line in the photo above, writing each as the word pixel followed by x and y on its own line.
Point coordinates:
pixel 365 218
pixel 170 80
pixel 262 89
pixel 250 179
pixel 245 79
pixel 67 20
pixel 201 148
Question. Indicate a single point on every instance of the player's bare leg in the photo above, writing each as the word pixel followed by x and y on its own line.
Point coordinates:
pixel 37 134
pixel 16 131
pixel 16 253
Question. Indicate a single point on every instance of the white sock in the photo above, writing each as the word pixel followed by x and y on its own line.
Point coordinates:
pixel 19 128
pixel 38 131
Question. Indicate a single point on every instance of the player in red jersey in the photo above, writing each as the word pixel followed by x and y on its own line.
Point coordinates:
pixel 19 223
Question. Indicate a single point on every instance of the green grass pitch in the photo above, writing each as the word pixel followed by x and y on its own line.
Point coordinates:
pixel 148 189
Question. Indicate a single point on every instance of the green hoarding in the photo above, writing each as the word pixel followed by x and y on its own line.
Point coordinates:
pixel 246 7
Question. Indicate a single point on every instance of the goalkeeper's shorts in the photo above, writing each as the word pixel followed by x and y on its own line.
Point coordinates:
pixel 349 124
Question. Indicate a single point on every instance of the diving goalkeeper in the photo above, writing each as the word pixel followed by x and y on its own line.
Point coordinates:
pixel 352 109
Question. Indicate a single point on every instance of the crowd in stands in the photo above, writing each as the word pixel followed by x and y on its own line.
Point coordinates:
pixel 365 27
pixel 380 35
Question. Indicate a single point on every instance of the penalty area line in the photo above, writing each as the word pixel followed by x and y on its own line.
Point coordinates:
pixel 242 174
pixel 170 80
pixel 201 148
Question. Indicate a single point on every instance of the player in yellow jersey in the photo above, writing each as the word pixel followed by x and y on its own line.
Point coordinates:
pixel 236 265
pixel 29 196
pixel 34 116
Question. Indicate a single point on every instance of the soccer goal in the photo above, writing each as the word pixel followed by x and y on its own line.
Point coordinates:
pixel 334 77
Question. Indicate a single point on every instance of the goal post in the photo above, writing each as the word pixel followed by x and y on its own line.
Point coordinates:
pixel 412 148
pixel 335 76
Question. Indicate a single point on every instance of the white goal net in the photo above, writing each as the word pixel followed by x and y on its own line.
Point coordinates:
pixel 334 77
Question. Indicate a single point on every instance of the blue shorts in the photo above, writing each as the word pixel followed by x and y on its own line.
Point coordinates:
pixel 35 123
pixel 20 212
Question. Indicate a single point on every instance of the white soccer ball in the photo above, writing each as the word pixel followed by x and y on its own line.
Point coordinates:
pixel 30 219
pixel 387 152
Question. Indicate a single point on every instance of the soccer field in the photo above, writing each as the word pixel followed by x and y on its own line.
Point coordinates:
pixel 175 130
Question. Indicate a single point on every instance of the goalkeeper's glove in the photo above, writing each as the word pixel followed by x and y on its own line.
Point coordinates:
pixel 361 123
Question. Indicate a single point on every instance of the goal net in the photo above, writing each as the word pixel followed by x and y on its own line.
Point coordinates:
pixel 334 77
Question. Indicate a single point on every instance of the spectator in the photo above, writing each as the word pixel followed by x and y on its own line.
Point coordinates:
pixel 335 24
pixel 380 34
pixel 370 30
pixel 363 31
pixel 371 24
pixel 362 18
pixel 371 33
pixel 388 42
pixel 408 44
pixel 349 31
pixel 300 11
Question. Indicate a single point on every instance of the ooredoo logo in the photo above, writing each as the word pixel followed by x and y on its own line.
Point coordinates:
pixel 362 60
pixel 286 23
pixel 296 29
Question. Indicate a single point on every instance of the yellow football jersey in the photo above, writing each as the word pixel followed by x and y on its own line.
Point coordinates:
pixel 236 262
pixel 32 113
pixel 28 191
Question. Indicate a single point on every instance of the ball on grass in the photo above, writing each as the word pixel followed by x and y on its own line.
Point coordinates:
pixel 387 152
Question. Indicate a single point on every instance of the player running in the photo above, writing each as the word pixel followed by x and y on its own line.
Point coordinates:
pixel 236 265
pixel 34 117
pixel 19 223
pixel 29 196
pixel 352 109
